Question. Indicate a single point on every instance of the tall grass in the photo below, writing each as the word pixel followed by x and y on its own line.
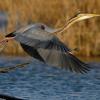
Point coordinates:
pixel 85 35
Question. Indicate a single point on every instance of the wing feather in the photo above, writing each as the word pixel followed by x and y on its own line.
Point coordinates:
pixel 63 60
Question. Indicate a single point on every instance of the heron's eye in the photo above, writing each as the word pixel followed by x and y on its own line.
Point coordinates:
pixel 43 27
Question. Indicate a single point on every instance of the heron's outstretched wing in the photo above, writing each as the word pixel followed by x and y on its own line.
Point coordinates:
pixel 58 58
pixel 32 52
pixel 39 38
pixel 63 60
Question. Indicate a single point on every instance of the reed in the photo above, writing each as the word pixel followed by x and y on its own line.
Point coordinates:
pixel 85 35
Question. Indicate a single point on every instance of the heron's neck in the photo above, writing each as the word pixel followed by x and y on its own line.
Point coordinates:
pixel 66 26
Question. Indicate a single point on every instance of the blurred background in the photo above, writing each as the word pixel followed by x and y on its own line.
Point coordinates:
pixel 84 35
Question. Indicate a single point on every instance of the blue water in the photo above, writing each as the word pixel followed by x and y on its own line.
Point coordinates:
pixel 38 81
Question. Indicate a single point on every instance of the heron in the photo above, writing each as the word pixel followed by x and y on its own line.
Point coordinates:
pixel 41 42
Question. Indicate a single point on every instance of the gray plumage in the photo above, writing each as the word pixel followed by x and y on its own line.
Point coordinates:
pixel 39 36
pixel 39 42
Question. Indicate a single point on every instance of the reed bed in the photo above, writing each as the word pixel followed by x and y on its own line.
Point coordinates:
pixel 84 35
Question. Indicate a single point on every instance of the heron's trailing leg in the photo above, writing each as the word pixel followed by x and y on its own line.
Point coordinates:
pixel 8 69
pixel 6 40
pixel 4 43
pixel 3 47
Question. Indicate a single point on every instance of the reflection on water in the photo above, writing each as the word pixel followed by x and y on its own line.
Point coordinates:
pixel 40 82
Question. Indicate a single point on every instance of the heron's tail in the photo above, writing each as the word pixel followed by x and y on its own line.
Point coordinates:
pixel 10 34
pixel 64 60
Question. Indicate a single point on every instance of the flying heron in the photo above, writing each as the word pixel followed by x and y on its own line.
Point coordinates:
pixel 41 42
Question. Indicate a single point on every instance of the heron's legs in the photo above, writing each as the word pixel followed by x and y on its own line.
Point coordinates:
pixel 8 69
pixel 6 40
pixel 4 43
pixel 3 47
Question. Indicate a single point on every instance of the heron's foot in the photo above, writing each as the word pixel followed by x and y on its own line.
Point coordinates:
pixel 4 43
pixel 8 69
pixel 6 40
pixel 3 47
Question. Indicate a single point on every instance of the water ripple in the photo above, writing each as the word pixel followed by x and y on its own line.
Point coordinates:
pixel 42 82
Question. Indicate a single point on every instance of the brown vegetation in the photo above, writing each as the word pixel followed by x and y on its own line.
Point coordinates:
pixel 85 35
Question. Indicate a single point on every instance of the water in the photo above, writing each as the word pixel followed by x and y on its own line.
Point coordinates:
pixel 40 82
